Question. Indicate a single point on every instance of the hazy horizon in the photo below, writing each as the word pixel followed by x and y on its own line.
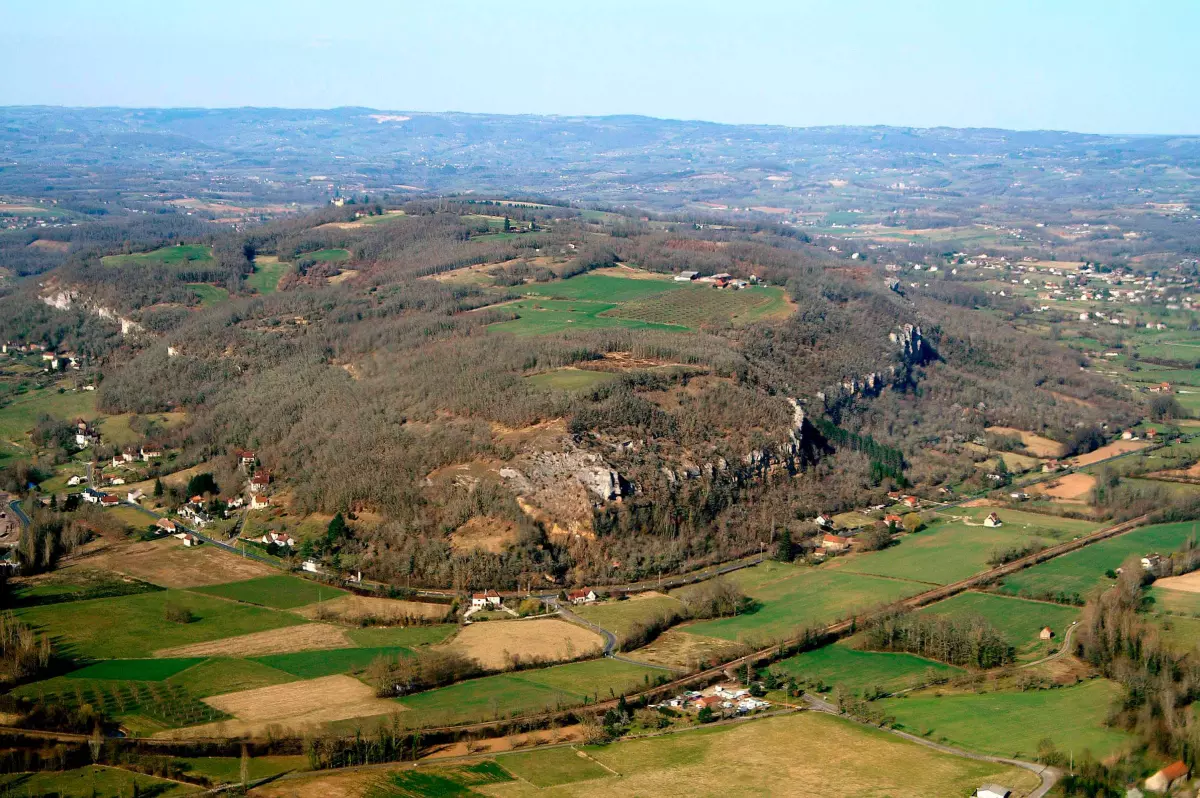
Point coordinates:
pixel 1104 68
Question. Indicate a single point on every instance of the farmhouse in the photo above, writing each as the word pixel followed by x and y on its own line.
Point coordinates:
pixel 824 520
pixel 191 540
pixel 73 481
pixel 279 539
pixel 707 702
pixel 488 598
pixel 134 496
pixel 835 543
pixel 259 502
pixel 1151 561
pixel 148 453
pixel 686 277
pixel 1046 633
pixel 893 520
pixel 911 502
pixel 311 566
pixel 993 520
pixel 91 495
pixel 992 791
pixel 108 500
pixel 582 596
pixel 167 526
pixel 1168 778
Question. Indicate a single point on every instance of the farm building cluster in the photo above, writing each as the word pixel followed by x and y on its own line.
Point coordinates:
pixel 722 700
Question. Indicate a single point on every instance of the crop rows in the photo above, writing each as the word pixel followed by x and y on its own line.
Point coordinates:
pixel 171 705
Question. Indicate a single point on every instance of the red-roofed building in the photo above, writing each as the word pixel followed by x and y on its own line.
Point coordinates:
pixel 583 596
pixel 488 598
pixel 1168 778
pixel 835 543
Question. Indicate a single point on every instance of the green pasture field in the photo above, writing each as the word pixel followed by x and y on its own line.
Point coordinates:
pixel 403 636
pixel 694 306
pixel 1018 620
pixel 136 626
pixel 951 550
pixel 1012 724
pixel 327 662
pixel 18 417
pixel 1168 601
pixel 546 316
pixel 1082 571
pixel 326 255
pixel 620 617
pixel 75 584
pixel 173 256
pixel 228 769
pixel 267 272
pixel 849 668
pixel 90 781
pixel 439 782
pixel 570 379
pixel 1189 377
pixel 209 295
pixel 136 670
pixel 527 691
pixel 554 767
pixel 804 598
pixel 228 675
pixel 603 288
pixel 762 758
pixel 1180 633
pixel 281 592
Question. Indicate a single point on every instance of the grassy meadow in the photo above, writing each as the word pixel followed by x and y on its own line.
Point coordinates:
pixel 1018 620
pixel 136 626
pixel 794 597
pixel 1082 571
pixel 958 546
pixel 282 592
pixel 570 379
pixel 844 666
pixel 1012 724
pixel 169 257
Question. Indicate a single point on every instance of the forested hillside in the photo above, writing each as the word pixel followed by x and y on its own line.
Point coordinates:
pixel 534 377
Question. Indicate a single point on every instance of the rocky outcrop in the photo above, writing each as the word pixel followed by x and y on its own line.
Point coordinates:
pixel 65 299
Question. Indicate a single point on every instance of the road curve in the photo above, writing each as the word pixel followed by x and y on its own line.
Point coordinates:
pixel 1048 775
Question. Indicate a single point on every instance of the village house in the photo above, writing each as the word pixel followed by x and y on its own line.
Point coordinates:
pixel 135 496
pixel 893 520
pixel 993 520
pixel 246 458
pixel 195 513
pixel 260 481
pixel 166 525
pixel 1151 561
pixel 74 481
pixel 835 543
pixel 91 495
pixel 108 500
pixel 279 539
pixel 824 520
pixel 85 434
pixel 1170 777
pixel 148 453
pixel 582 596
pixel 191 540
pixel 911 502
pixel 707 702
pixel 488 598
pixel 259 502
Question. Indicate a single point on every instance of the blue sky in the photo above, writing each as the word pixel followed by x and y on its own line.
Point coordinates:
pixel 1101 66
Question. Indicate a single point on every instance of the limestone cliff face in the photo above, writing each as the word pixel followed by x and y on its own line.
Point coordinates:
pixel 65 299
pixel 912 350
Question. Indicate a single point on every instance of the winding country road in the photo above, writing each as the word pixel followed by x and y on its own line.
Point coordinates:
pixel 1048 775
